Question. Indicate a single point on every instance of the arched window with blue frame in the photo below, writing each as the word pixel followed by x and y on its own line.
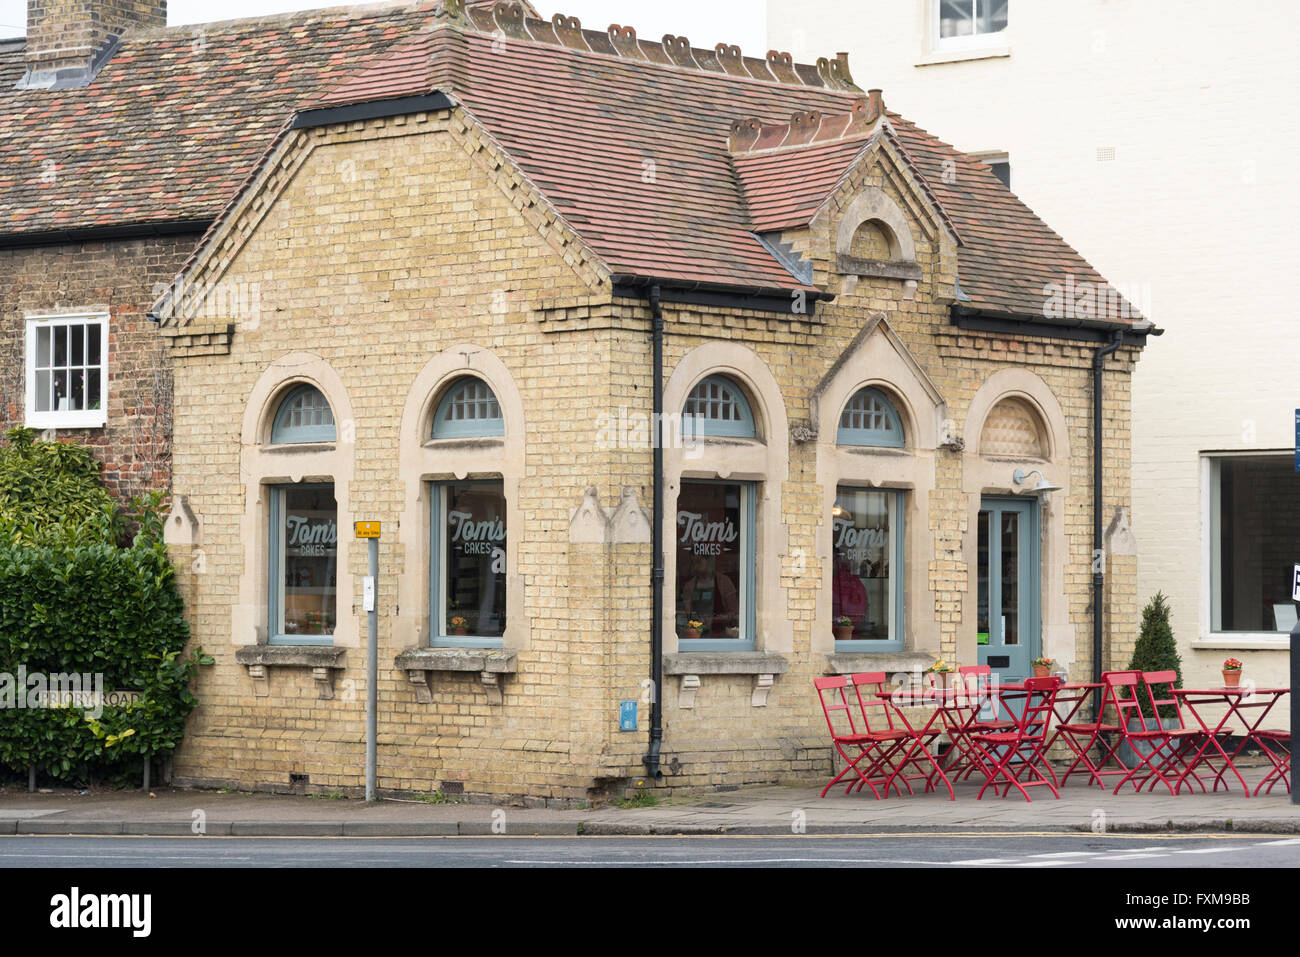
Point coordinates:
pixel 468 410
pixel 718 407
pixel 304 415
pixel 870 418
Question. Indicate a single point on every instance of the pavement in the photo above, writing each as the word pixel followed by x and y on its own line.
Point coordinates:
pixel 756 810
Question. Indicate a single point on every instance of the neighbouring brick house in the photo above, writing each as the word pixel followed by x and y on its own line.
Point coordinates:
pixel 432 298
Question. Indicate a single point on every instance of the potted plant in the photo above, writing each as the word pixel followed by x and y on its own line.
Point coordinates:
pixel 1155 650
pixel 693 629
pixel 843 628
pixel 459 626
pixel 1232 673
pixel 939 672
pixel 1042 667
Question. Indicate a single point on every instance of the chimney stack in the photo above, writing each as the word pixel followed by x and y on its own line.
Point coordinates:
pixel 69 40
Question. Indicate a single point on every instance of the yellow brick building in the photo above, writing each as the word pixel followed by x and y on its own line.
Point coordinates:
pixel 461 253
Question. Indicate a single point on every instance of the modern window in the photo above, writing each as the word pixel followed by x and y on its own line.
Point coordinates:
pixel 67 372
pixel 1254 532
pixel 717 407
pixel 716 566
pixel 869 418
pixel 304 565
pixel 304 416
pixel 468 582
pixel 961 23
pixel 468 410
pixel 867 568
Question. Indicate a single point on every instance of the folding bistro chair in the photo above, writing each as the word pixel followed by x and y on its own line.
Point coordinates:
pixel 1016 758
pixel 865 752
pixel 1166 745
pixel 1082 736
pixel 976 683
pixel 914 745
pixel 1279 758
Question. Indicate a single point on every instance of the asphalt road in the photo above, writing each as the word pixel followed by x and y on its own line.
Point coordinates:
pixel 1046 850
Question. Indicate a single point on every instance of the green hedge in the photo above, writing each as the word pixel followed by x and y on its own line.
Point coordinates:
pixel 73 602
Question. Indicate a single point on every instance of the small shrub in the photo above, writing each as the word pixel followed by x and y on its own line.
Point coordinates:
pixel 1156 650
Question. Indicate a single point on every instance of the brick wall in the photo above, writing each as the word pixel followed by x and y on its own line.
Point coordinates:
pixel 117 278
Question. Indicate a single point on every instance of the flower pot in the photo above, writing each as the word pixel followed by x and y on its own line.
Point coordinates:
pixel 941 679
pixel 1232 679
pixel 1042 671
pixel 691 633
pixel 843 632
pixel 460 631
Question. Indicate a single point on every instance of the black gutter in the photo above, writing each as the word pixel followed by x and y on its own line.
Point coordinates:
pixel 372 110
pixel 89 234
pixel 1081 330
pixel 724 296
pixel 657 541
pixel 1098 555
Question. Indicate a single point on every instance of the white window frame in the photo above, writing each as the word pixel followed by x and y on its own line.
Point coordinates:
pixel 1211 561
pixel 72 419
pixel 976 42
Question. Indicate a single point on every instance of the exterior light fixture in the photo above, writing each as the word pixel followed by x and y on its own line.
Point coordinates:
pixel 1043 486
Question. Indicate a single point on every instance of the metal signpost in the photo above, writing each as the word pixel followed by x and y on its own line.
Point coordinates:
pixel 370 532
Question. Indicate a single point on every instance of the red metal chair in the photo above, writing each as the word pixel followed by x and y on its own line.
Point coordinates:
pixel 1160 747
pixel 865 752
pixel 976 683
pixel 1082 736
pixel 1016 758
pixel 910 749
pixel 1280 758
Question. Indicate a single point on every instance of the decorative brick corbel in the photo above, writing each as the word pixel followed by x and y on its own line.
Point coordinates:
pixel 261 685
pixel 686 696
pixel 420 682
pixel 492 685
pixel 762 685
pixel 324 678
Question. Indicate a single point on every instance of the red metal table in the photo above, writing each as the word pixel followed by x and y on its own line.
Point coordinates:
pixel 952 708
pixel 1235 702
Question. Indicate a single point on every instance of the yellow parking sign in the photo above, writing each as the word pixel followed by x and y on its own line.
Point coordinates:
pixel 367 529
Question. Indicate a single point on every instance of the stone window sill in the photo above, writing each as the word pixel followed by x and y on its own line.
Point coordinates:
pixel 1248 641
pixel 323 660
pixel 990 52
pixel 688 666
pixel 421 663
pixel 893 663
pixel 877 268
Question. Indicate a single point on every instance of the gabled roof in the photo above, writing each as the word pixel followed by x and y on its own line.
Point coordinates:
pixel 627 139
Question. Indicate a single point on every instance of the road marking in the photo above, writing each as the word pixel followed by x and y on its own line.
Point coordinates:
pixel 740 861
pixel 1068 854
pixel 1210 850
pixel 1288 843
pixel 1042 863
pixel 987 860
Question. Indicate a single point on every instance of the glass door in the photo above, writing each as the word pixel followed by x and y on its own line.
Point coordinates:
pixel 1007 623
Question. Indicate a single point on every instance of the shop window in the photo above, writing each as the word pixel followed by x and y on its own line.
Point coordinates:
pixel 867 568
pixel 718 407
pixel 469 409
pixel 304 562
pixel 1254 528
pixel 870 418
pixel 303 416
pixel 67 372
pixel 716 566
pixel 468 583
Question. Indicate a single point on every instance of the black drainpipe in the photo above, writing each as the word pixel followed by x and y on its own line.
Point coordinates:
pixel 1098 560
pixel 657 543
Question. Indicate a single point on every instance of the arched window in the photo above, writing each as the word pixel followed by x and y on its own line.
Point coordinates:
pixel 468 410
pixel 870 419
pixel 716 406
pixel 304 416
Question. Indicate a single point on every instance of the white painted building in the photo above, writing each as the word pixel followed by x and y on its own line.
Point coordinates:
pixel 1161 138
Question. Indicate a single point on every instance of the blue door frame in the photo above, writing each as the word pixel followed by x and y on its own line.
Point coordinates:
pixel 1008 620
